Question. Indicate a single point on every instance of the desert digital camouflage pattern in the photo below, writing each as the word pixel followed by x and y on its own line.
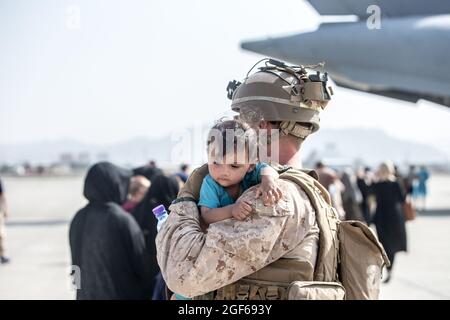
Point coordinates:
pixel 194 263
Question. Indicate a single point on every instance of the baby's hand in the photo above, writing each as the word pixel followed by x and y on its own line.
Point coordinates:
pixel 270 191
pixel 241 210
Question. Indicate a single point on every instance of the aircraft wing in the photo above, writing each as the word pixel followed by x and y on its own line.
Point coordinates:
pixel 389 8
pixel 406 59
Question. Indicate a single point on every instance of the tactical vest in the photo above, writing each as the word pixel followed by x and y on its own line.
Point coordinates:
pixel 290 278
pixel 348 266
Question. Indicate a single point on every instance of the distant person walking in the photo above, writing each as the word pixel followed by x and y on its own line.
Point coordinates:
pixel 410 180
pixel 364 181
pixel 389 218
pixel 330 180
pixel 106 242
pixel 3 216
pixel 420 191
pixel 163 190
pixel 183 174
pixel 351 196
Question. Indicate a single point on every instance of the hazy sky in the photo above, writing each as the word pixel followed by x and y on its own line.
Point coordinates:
pixel 144 68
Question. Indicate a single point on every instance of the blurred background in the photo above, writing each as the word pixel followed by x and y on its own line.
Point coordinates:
pixel 132 82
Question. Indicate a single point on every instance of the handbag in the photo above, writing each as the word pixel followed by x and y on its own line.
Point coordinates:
pixel 408 210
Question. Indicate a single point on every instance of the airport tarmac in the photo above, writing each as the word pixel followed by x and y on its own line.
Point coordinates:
pixel 41 209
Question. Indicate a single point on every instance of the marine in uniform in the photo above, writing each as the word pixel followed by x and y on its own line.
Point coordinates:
pixel 285 251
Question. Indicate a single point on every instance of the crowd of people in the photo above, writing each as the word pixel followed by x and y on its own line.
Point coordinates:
pixel 112 238
pixel 117 227
pixel 115 232
pixel 377 198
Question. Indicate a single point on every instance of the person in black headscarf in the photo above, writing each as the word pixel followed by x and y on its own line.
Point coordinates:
pixel 163 190
pixel 106 242
pixel 149 171
pixel 364 180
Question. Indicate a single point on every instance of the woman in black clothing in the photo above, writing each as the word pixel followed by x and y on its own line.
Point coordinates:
pixel 106 242
pixel 389 219
pixel 163 190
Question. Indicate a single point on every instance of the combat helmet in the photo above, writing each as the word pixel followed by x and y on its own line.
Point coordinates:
pixel 279 92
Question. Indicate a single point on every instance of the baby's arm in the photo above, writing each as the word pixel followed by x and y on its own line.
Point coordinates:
pixel 210 215
pixel 268 171
pixel 269 189
pixel 239 210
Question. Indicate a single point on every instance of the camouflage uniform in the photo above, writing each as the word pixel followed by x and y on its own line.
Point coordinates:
pixel 280 237
pixel 193 262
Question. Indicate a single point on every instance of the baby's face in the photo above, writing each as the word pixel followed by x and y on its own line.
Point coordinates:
pixel 228 171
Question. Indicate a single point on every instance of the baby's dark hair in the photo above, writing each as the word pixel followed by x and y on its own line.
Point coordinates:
pixel 229 135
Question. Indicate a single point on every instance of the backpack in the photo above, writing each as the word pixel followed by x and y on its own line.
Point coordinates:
pixel 349 251
pixel 349 259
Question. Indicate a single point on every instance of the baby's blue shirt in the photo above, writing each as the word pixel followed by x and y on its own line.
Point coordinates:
pixel 213 195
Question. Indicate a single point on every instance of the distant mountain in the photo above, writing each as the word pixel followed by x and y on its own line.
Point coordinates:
pixel 134 152
pixel 369 145
pixel 41 152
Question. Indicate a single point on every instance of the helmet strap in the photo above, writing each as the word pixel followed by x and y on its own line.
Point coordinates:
pixel 295 129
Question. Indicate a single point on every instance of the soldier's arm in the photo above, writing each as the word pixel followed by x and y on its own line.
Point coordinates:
pixel 194 263
pixel 191 189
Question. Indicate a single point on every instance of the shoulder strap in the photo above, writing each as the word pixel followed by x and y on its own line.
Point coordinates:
pixel 327 221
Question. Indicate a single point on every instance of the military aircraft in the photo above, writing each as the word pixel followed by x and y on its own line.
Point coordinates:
pixel 404 55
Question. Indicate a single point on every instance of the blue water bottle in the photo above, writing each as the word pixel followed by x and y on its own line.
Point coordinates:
pixel 161 215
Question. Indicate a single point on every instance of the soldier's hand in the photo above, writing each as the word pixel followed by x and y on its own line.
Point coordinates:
pixel 241 210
